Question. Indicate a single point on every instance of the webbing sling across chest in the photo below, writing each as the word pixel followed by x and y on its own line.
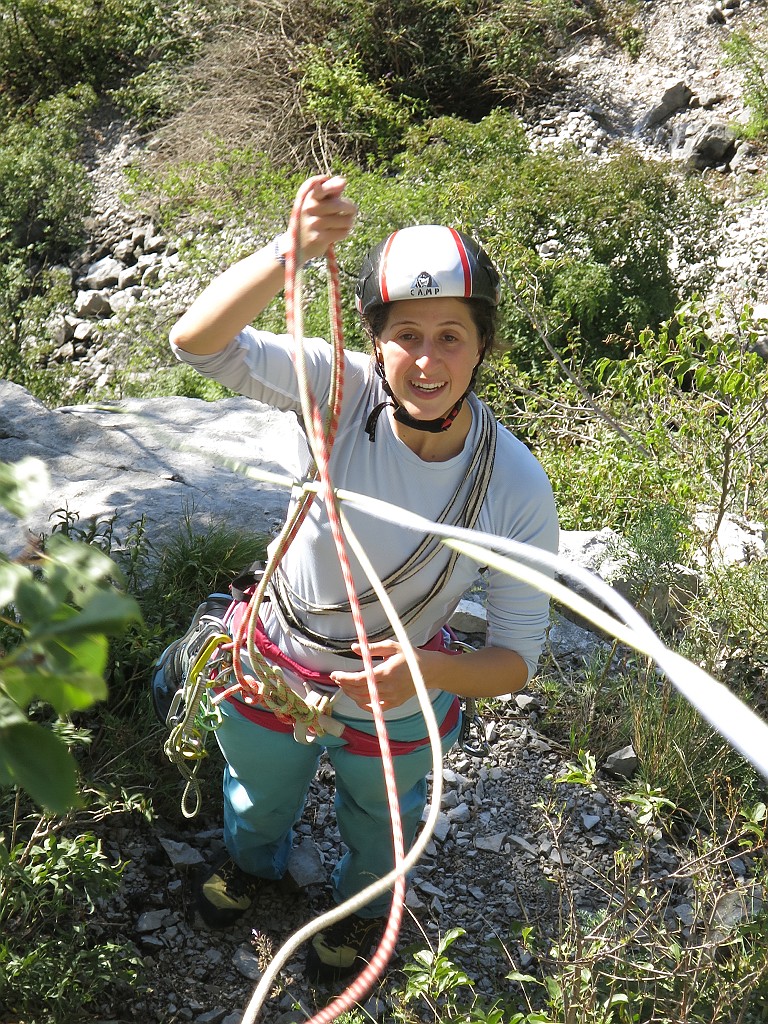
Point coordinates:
pixel 462 510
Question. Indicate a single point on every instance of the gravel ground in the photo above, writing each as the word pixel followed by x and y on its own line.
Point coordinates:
pixel 497 859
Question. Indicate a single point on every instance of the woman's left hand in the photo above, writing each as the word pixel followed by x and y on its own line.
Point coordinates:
pixel 391 673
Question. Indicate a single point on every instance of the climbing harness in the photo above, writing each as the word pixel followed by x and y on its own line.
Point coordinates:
pixel 462 510
pixel 195 673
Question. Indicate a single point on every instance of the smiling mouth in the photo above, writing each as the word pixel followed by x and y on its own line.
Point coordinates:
pixel 424 386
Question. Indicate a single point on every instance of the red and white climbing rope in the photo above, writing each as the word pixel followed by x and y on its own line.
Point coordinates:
pixel 320 436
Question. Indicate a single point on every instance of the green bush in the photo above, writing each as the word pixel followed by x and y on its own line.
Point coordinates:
pixel 182 381
pixel 623 227
pixel 44 196
pixel 515 43
pixel 56 614
pixel 749 53
pixel 458 58
pixel 44 189
pixel 345 102
pixel 48 961
pixel 692 393
pixel 47 47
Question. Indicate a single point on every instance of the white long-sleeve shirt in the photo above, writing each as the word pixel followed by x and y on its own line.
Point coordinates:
pixel 518 505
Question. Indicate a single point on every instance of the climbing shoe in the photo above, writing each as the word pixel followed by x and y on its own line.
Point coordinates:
pixel 225 893
pixel 169 672
pixel 344 948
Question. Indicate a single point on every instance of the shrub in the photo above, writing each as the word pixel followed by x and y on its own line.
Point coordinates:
pixel 692 394
pixel 47 47
pixel 49 963
pixel 56 614
pixel 356 111
pixel 44 189
pixel 749 53
pixel 44 196
pixel 624 229
pixel 316 81
pixel 456 58
pixel 515 43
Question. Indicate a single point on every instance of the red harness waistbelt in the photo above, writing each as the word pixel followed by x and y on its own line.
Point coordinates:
pixel 278 657
pixel 358 742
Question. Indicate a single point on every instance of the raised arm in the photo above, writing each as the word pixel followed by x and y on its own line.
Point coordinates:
pixel 242 292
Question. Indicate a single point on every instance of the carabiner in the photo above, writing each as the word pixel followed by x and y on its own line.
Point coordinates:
pixel 472 733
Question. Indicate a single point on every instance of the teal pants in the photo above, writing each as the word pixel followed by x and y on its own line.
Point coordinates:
pixel 266 780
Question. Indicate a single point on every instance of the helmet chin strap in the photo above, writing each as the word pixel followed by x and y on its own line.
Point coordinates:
pixel 401 414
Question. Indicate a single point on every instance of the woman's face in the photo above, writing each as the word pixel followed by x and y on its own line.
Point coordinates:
pixel 429 348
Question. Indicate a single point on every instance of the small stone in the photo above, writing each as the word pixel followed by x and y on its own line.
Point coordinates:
pixel 92 303
pixel 246 962
pixel 412 900
pixel 102 274
pixel 523 844
pixel 622 762
pixel 430 890
pixel 559 857
pixel 492 844
pixel 182 854
pixel 151 920
pixel 305 865
pixel 459 814
pixel 526 702
pixel 442 827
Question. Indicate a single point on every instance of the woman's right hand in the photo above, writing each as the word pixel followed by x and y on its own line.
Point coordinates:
pixel 239 295
pixel 327 215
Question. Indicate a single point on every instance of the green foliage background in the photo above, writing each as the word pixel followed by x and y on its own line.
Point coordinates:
pixel 642 402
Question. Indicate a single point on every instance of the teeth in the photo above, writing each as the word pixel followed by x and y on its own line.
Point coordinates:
pixel 426 387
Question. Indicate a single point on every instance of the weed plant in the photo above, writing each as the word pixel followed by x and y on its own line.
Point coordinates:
pixel 53 872
pixel 633 945
pixel 748 51
pixel 51 961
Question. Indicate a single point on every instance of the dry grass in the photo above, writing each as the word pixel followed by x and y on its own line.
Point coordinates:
pixel 245 90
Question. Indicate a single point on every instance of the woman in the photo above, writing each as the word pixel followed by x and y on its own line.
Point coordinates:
pixel 412 433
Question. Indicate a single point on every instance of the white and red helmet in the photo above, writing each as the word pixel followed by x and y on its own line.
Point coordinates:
pixel 423 262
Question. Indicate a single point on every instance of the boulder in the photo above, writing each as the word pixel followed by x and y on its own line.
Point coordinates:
pixel 92 303
pixel 160 458
pixel 710 146
pixel 736 542
pixel 102 274
pixel 677 95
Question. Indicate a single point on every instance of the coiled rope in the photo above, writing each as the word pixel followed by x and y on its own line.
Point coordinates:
pixel 320 438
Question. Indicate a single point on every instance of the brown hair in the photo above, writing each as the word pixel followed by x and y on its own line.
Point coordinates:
pixel 482 313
